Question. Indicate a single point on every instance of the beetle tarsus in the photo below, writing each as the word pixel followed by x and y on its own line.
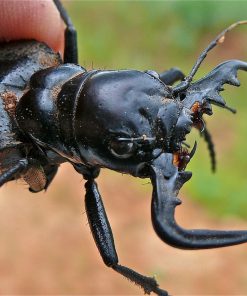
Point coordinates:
pixel 148 284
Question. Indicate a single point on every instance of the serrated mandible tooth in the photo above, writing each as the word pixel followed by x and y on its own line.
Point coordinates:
pixel 233 80
pixel 184 176
pixel 218 100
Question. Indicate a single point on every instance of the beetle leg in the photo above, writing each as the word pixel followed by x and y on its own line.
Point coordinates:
pixel 104 240
pixel 171 76
pixel 70 48
pixel 167 181
pixel 16 169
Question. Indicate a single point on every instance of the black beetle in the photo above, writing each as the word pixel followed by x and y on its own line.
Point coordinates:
pixel 133 122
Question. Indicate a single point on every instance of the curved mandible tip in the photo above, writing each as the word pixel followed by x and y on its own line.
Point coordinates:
pixel 167 181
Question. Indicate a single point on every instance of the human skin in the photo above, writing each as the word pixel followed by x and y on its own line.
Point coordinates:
pixel 32 19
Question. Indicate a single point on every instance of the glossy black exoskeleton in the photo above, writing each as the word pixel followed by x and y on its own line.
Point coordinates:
pixel 133 122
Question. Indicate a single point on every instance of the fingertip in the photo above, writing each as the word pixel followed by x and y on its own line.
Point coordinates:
pixel 39 20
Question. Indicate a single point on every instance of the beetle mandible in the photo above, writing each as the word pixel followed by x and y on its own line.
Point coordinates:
pixel 54 111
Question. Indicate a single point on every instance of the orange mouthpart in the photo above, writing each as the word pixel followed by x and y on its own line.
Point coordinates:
pixel 176 159
pixel 195 107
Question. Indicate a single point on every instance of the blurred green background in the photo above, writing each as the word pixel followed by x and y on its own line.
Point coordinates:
pixel 162 34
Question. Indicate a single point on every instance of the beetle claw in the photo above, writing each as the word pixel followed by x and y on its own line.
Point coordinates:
pixel 208 88
pixel 164 202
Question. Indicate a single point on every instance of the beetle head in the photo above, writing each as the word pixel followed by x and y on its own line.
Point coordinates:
pixel 131 122
pixel 125 118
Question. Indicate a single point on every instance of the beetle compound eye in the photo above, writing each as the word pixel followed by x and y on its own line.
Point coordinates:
pixel 121 149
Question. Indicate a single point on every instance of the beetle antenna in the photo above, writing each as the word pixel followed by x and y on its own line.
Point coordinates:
pixel 219 39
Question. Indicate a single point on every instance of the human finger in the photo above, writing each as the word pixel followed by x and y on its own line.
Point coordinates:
pixel 37 19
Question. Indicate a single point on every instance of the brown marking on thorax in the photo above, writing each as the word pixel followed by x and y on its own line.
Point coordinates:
pixel 9 101
pixel 195 107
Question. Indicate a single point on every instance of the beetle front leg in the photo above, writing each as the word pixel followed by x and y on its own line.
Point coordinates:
pixel 103 238
pixel 171 76
pixel 70 36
